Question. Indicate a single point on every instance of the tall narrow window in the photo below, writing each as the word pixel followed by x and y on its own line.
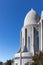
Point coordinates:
pixel 36 41
pixel 26 38
pixel 28 44
pixel 22 42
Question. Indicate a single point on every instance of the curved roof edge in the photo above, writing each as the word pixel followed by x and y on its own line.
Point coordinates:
pixel 31 18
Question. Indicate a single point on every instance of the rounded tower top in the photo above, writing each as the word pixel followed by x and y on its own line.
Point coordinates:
pixel 42 15
pixel 31 18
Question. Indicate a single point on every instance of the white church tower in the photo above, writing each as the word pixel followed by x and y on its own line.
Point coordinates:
pixel 31 38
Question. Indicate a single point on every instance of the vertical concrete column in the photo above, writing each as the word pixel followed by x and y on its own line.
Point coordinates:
pixel 41 35
pixel 21 48
pixel 41 29
pixel 33 40
pixel 21 40
pixel 40 45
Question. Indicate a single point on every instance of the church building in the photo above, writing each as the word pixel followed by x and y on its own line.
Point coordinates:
pixel 31 38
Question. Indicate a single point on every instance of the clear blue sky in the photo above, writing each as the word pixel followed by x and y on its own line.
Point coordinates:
pixel 12 13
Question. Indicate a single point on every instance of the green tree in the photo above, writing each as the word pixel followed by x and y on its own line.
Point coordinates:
pixel 38 59
pixel 8 62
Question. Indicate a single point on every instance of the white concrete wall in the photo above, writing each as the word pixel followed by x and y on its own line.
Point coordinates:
pixel 17 61
pixel 30 33
pixel 24 61
pixel 25 54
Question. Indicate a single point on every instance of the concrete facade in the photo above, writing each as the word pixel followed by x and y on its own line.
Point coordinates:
pixel 31 38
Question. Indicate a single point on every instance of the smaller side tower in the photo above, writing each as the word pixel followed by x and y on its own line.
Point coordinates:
pixel 29 39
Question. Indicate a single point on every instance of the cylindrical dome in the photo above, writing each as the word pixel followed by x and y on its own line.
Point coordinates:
pixel 31 18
